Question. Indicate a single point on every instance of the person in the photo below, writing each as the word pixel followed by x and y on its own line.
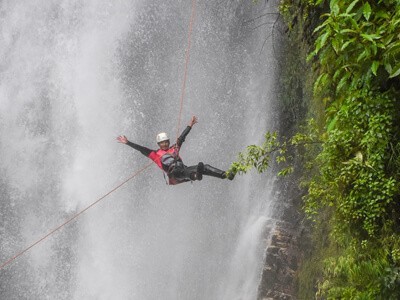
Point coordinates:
pixel 167 158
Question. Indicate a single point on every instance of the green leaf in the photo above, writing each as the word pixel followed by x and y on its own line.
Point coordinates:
pixel 286 171
pixel 381 46
pixel 367 11
pixel 332 124
pixel 350 7
pixel 350 66
pixel 395 72
pixel 370 37
pixel 327 21
pixel 354 23
pixel 374 48
pixel 396 22
pixel 343 31
pixel 393 49
pixel 382 14
pixel 388 39
pixel 321 78
pixel 337 74
pixel 346 44
pixel 334 6
pixel 311 55
pixel 345 15
pixel 335 45
pixel 388 68
pixel 363 54
pixel 321 41
pixel 374 67
pixel 343 81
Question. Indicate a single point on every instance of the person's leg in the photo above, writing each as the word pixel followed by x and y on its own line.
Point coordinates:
pixel 196 172
pixel 212 171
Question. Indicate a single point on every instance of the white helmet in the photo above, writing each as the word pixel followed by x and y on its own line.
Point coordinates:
pixel 161 137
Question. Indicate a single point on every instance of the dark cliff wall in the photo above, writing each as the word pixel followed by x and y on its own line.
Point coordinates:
pixel 289 237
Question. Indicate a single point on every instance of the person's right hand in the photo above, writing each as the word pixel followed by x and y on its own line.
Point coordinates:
pixel 122 139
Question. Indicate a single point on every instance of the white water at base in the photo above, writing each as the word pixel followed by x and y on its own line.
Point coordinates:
pixel 74 75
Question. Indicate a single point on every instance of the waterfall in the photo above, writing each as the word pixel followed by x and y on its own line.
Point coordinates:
pixel 75 75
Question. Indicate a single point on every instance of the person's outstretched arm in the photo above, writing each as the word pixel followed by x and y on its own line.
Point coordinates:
pixel 145 151
pixel 183 135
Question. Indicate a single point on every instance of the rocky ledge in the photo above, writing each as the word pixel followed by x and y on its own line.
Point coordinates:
pixel 278 281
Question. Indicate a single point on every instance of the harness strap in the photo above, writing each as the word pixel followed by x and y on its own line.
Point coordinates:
pixel 166 181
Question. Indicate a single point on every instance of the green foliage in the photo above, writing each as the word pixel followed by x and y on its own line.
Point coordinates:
pixel 353 162
pixel 361 272
pixel 361 37
pixel 273 149
pixel 258 157
pixel 352 166
pixel 356 55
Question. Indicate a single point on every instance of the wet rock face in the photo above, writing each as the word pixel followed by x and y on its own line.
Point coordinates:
pixel 282 259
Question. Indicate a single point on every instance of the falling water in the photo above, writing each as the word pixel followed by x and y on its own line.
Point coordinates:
pixel 74 75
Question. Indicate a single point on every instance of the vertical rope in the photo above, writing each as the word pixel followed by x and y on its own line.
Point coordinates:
pixel 187 56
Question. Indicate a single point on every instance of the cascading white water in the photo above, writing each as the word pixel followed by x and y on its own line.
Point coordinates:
pixel 74 75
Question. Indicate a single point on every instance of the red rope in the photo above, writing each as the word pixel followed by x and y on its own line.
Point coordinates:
pixel 186 67
pixel 10 260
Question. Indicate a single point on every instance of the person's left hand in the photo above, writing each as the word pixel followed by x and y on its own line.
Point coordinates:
pixel 193 121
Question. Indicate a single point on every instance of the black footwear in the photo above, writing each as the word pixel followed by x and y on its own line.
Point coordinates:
pixel 229 175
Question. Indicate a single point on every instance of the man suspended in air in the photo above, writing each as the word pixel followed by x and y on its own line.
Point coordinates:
pixel 168 159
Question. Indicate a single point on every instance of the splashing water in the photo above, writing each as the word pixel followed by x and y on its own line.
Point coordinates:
pixel 74 75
